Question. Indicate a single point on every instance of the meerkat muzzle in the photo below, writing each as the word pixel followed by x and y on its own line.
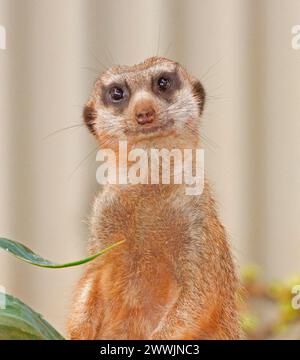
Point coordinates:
pixel 145 116
pixel 144 112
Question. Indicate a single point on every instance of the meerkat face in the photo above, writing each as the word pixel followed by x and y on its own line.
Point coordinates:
pixel 143 103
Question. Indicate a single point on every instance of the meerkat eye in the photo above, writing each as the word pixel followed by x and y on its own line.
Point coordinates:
pixel 116 94
pixel 163 83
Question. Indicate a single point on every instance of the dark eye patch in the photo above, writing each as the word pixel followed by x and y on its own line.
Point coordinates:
pixel 199 94
pixel 115 94
pixel 165 84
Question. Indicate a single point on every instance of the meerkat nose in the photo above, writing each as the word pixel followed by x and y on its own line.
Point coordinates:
pixel 145 115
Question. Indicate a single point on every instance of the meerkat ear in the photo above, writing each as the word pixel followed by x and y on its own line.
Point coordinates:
pixel 199 93
pixel 89 117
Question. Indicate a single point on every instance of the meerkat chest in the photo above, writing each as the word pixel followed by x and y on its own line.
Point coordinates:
pixel 157 232
pixel 142 276
pixel 151 224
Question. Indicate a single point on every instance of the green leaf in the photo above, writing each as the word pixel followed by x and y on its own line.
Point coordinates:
pixel 19 322
pixel 24 253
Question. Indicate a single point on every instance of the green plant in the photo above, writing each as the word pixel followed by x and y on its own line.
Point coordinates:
pixel 17 320
pixel 266 307
pixel 25 254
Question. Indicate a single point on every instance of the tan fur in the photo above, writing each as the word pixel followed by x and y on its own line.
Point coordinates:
pixel 174 277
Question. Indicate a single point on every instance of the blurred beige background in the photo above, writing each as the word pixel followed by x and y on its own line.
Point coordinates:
pixel 240 49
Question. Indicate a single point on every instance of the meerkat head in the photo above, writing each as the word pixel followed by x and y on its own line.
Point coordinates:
pixel 153 103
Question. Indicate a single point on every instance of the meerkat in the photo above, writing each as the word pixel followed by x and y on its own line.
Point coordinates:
pixel 173 277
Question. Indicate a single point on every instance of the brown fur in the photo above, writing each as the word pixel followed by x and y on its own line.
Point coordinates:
pixel 174 277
